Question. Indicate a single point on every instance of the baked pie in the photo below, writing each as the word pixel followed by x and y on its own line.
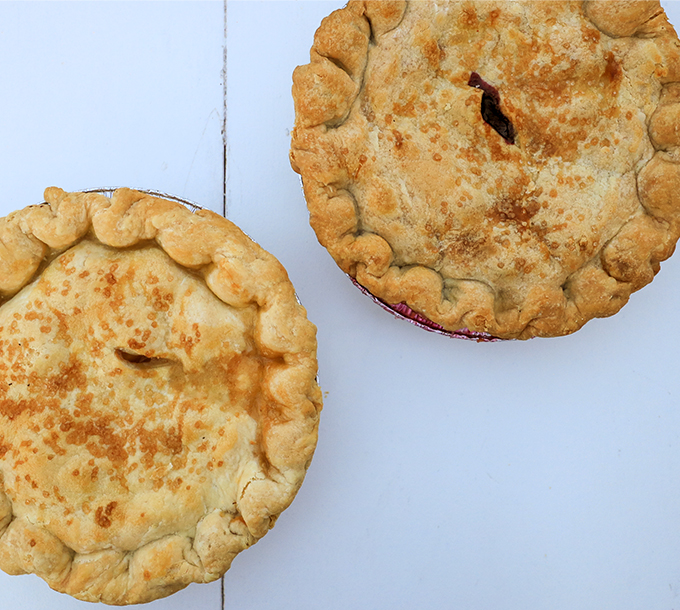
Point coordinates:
pixel 158 396
pixel 511 168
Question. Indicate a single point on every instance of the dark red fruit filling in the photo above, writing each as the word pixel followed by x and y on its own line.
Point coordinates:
pixel 403 311
pixel 491 108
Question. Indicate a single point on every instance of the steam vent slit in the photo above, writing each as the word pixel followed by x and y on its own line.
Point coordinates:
pixel 491 108
pixel 140 360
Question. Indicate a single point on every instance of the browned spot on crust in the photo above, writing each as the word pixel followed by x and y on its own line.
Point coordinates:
pixel 493 17
pixel 516 211
pixel 12 409
pixel 158 439
pixel 408 109
pixel 108 444
pixel 469 17
pixel 433 53
pixel 69 378
pixel 467 244
pixel 134 344
pixel 613 73
pixel 103 515
pixel 161 302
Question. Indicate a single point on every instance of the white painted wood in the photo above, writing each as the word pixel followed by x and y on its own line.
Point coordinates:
pixel 98 94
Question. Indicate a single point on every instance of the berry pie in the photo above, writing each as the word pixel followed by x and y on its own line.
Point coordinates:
pixel 509 168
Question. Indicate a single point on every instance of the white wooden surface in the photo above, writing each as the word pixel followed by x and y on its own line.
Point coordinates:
pixel 98 94
pixel 449 475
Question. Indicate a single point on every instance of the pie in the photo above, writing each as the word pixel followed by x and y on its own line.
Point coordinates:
pixel 158 396
pixel 511 168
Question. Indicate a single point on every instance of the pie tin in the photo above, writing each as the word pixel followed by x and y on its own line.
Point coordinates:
pixel 402 311
pixel 108 191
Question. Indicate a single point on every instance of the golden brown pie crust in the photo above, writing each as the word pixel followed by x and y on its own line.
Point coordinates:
pixel 418 197
pixel 158 397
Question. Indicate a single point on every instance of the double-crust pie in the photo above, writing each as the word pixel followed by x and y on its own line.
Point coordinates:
pixel 158 397
pixel 509 167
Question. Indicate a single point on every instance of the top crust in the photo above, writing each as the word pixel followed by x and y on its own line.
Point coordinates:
pixel 158 395
pixel 424 202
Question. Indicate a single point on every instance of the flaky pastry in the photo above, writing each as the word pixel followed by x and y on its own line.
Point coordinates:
pixel 509 167
pixel 158 397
